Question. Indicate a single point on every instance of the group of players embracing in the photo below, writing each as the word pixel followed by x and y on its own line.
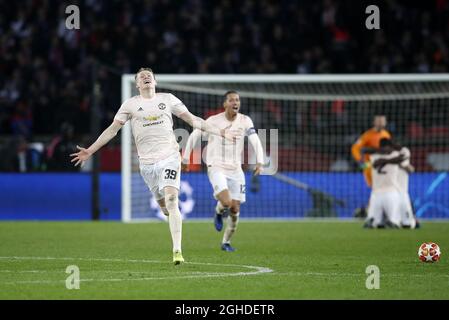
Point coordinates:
pixel 386 166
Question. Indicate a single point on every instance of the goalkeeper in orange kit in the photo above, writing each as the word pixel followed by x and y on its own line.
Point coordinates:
pixel 367 143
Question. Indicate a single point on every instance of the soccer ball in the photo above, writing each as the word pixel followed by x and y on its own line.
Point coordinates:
pixel 429 252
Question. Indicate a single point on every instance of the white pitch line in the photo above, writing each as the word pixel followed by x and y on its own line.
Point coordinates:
pixel 358 275
pixel 25 271
pixel 256 270
pixel 133 272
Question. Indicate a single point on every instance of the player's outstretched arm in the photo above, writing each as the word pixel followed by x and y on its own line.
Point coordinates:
pixel 201 124
pixel 255 142
pixel 83 154
pixel 379 163
pixel 356 149
pixel 190 145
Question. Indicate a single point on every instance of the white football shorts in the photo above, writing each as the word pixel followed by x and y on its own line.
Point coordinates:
pixel 234 181
pixel 385 202
pixel 161 174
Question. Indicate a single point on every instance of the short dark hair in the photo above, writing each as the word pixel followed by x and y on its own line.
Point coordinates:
pixel 144 69
pixel 385 142
pixel 225 96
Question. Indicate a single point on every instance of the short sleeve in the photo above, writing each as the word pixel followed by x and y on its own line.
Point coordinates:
pixel 250 127
pixel 177 106
pixel 124 113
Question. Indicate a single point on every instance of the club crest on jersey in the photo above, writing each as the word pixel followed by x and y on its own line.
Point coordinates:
pixel 161 106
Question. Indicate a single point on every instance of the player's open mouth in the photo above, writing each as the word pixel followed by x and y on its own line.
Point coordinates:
pixel 147 82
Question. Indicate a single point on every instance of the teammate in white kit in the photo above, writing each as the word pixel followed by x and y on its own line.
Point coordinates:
pixel 408 219
pixel 385 196
pixel 224 165
pixel 405 168
pixel 150 114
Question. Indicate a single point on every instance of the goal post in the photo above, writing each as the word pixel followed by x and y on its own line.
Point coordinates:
pixel 126 154
pixel 318 118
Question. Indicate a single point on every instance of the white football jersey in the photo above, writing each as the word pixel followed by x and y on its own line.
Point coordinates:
pixel 386 179
pixel 223 153
pixel 152 125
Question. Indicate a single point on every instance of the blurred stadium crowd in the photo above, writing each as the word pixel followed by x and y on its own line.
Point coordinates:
pixel 45 69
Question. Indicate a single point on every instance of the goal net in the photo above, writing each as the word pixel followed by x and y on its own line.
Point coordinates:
pixel 318 118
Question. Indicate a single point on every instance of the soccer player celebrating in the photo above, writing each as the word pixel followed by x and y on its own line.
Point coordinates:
pixel 224 165
pixel 405 168
pixel 150 114
pixel 408 220
pixel 385 196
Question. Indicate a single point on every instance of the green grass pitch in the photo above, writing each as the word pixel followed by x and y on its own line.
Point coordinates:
pixel 275 260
